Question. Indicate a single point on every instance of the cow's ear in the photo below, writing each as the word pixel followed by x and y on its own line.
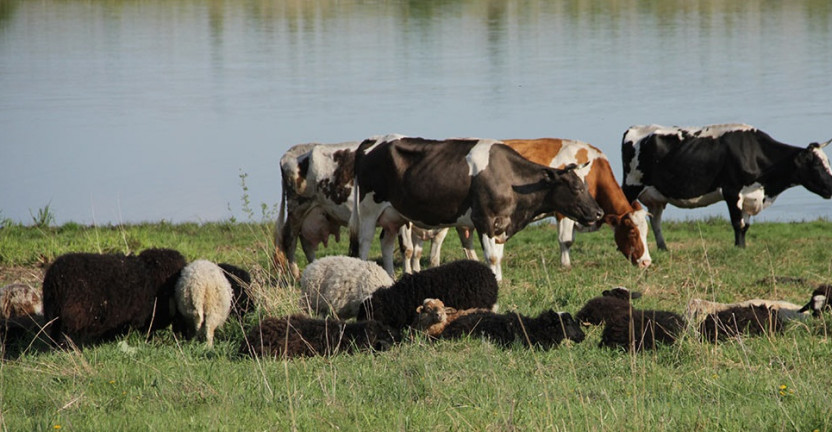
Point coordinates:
pixel 636 205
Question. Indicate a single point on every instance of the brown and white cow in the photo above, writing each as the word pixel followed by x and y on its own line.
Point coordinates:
pixel 629 221
pixel 465 182
pixel 317 199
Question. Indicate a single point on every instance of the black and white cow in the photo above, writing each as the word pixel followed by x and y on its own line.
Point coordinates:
pixel 696 167
pixel 316 200
pixel 466 182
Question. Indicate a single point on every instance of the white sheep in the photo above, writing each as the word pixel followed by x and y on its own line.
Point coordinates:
pixel 338 285
pixel 203 298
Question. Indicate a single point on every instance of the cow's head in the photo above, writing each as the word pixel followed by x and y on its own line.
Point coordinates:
pixel 813 170
pixel 568 195
pixel 631 235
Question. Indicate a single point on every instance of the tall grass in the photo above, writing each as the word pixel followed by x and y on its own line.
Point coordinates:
pixel 161 382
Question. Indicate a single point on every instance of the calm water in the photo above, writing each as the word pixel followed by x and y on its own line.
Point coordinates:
pixel 127 111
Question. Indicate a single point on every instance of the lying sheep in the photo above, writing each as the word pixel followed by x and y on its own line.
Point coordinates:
pixel 698 309
pixel 240 282
pixel 732 322
pixel 462 284
pixel 302 336
pixel 21 311
pixel 203 298
pixel 638 330
pixel 338 284
pixel 89 297
pixel 434 316
pixel 614 302
pixel 819 302
pixel 545 331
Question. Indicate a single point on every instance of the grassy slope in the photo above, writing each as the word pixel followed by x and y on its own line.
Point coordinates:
pixel 165 383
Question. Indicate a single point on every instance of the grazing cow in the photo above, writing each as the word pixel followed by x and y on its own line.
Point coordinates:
pixel 696 167
pixel 629 221
pixel 316 202
pixel 466 182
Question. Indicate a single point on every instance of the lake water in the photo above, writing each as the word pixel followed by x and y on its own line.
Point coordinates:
pixel 126 111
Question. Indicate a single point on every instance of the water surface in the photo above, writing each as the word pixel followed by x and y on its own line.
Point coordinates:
pixel 127 111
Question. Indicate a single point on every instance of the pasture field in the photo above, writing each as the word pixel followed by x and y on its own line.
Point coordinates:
pixel 163 383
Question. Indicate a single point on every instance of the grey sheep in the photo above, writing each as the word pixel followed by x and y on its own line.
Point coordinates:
pixel 337 285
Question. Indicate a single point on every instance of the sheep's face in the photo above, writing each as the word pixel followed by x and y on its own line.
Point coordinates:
pixel 571 327
pixel 432 311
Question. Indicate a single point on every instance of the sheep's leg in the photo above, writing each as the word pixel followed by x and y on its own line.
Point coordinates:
pixel 566 236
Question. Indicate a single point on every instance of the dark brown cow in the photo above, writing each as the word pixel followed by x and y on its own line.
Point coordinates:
pixel 475 183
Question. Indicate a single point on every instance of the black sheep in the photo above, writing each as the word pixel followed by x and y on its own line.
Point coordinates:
pixel 240 282
pixel 820 301
pixel 611 303
pixel 97 296
pixel 302 336
pixel 751 320
pixel 638 330
pixel 463 284
pixel 545 331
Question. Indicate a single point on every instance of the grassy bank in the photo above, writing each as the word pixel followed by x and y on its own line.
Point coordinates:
pixel 140 383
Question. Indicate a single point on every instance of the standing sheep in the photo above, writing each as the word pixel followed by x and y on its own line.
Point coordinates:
pixel 546 330
pixel 338 284
pixel 88 297
pixel 752 320
pixel 302 336
pixel 462 284
pixel 203 298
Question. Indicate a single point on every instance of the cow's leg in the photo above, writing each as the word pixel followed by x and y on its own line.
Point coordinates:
pixel 418 244
pixel 407 241
pixel 436 246
pixel 656 223
pixel 566 235
pixel 289 237
pixel 467 240
pixel 390 221
pixel 493 253
pixel 737 220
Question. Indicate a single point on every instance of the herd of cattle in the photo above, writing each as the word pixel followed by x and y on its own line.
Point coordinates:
pixel 415 188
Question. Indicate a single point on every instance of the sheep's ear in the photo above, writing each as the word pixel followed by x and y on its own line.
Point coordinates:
pixel 419 309
pixel 450 310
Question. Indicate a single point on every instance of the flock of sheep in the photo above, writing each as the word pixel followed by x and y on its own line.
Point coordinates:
pixel 88 298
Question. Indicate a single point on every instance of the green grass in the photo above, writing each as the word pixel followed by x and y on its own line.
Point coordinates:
pixel 160 382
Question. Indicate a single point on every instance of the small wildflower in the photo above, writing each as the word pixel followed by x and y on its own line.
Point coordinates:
pixel 783 387
pixel 56 427
pixel 715 376
pixel 112 381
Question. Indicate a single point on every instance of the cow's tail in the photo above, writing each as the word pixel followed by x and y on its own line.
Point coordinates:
pixel 355 218
pixel 279 258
